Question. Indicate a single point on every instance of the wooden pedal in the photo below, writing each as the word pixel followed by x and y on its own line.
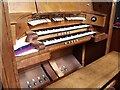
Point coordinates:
pixel 50 71
pixel 65 65
pixel 56 68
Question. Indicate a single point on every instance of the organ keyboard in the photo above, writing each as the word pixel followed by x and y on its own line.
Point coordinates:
pixel 66 35
pixel 55 31
pixel 66 38
pixel 64 29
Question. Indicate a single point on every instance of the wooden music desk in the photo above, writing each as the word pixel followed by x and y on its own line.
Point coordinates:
pixel 94 75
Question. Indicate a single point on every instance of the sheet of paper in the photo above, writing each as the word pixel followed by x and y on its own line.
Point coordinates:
pixel 58 19
pixel 75 18
pixel 20 43
pixel 27 52
pixel 39 21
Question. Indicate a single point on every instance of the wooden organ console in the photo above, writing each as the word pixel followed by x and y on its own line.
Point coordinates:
pixel 53 39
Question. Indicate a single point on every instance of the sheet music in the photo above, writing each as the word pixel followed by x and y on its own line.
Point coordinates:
pixel 58 19
pixel 27 52
pixel 75 18
pixel 20 43
pixel 39 21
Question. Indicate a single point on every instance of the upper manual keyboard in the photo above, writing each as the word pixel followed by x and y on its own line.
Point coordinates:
pixel 62 29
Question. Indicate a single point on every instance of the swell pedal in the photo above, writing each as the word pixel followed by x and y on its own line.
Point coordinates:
pixel 65 65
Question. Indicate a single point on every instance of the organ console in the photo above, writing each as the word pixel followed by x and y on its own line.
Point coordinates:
pixel 72 29
pixel 48 45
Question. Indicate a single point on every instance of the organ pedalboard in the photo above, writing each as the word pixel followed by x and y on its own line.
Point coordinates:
pixel 37 60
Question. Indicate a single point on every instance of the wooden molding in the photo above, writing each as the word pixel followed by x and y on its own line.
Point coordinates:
pixel 9 69
pixel 110 27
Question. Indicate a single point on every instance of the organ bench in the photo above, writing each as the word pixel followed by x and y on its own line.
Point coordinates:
pixel 95 75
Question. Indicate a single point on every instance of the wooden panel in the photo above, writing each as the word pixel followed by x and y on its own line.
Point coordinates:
pixel 77 52
pixel 95 75
pixel 101 7
pixel 1 40
pixel 8 58
pixel 112 15
pixel 94 51
pixel 100 20
pixel 48 6
pixel 59 53
pixel 99 37
pixel 64 6
pixel 0 66
pixel 19 7
pixel 13 32
pixel 82 6
pixel 33 60
pixel 4 79
pixel 15 17
pixel 115 43
pixel 69 6
pixel 20 10
pixel 21 27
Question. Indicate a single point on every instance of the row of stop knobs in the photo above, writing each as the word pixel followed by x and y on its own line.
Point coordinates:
pixel 64 33
pixel 72 41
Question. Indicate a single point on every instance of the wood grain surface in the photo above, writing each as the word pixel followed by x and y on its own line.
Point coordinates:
pixel 95 75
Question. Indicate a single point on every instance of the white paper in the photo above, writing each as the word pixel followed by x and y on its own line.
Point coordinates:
pixel 20 43
pixel 27 52
pixel 58 19
pixel 39 21
pixel 75 18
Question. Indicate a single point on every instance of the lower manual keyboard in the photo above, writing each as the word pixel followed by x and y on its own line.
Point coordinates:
pixel 69 43
pixel 57 40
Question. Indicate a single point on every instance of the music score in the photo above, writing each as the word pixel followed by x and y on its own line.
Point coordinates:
pixel 57 17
